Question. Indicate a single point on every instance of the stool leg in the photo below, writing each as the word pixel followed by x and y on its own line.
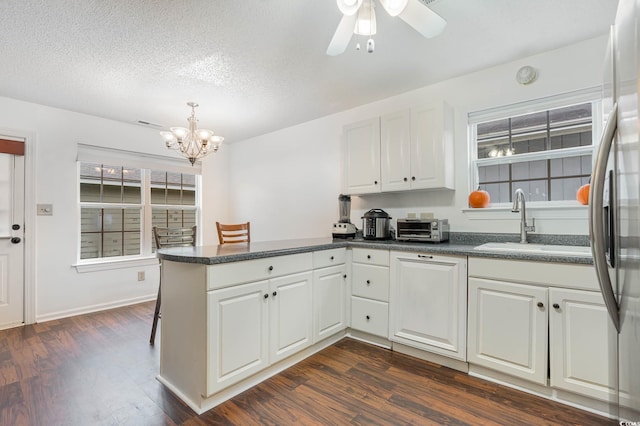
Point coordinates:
pixel 156 315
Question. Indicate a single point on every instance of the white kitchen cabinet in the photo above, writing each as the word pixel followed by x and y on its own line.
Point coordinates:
pixel 579 328
pixel 329 301
pixel 361 142
pixel 290 312
pixel 428 302
pixel 417 148
pixel 238 324
pixel 395 151
pixel 370 291
pixel 256 324
pixel 542 322
pixel 508 328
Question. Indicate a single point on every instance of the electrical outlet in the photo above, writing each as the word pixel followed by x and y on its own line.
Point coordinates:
pixel 141 276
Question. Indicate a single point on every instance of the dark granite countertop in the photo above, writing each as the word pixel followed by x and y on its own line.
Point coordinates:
pixel 460 245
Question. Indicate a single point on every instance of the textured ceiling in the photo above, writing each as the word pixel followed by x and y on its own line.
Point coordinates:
pixel 255 66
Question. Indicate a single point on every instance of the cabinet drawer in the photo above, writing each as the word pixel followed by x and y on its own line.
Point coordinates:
pixel 228 274
pixel 332 257
pixel 548 274
pixel 370 281
pixel 370 316
pixel 371 257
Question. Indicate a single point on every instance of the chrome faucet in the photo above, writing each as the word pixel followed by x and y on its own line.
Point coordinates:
pixel 519 205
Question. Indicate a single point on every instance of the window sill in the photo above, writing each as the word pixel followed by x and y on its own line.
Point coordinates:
pixel 559 211
pixel 110 264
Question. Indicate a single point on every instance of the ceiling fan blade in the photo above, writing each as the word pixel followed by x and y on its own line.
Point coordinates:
pixel 342 36
pixel 423 19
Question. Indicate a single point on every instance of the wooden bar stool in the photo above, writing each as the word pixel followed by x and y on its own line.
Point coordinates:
pixel 169 237
pixel 234 233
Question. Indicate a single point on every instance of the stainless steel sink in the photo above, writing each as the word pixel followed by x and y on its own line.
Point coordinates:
pixel 536 248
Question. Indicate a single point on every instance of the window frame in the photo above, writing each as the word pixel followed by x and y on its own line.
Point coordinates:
pixel 146 163
pixel 590 95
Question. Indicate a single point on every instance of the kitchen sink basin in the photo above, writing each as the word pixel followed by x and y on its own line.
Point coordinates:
pixel 536 248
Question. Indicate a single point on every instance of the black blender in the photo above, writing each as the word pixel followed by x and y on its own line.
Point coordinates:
pixel 344 228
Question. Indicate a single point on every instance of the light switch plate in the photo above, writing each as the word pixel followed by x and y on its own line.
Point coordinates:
pixel 45 209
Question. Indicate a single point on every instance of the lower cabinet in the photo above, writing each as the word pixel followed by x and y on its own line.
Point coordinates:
pixel 370 292
pixel 428 302
pixel 329 301
pixel 253 325
pixel 526 321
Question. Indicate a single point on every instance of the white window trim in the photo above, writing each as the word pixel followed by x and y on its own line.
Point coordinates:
pixel 145 162
pixel 544 209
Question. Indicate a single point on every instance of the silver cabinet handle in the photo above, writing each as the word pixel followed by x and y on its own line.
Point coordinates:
pixel 596 225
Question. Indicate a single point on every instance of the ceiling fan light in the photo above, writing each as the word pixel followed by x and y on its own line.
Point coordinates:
pixel 349 7
pixel 394 7
pixel 366 23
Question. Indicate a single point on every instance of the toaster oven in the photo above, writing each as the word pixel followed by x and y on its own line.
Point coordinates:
pixel 425 230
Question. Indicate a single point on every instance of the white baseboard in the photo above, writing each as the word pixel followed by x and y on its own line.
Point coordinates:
pixel 95 308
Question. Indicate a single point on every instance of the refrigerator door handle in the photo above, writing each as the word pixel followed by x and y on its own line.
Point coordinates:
pixel 596 217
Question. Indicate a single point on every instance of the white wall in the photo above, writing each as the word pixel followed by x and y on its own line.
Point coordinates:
pixel 60 289
pixel 287 182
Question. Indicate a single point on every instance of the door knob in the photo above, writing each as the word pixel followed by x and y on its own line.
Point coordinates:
pixel 15 240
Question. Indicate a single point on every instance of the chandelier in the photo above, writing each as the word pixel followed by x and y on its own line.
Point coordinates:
pixel 192 143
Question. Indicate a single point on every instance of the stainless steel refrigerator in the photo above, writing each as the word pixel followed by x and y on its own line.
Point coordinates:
pixel 614 214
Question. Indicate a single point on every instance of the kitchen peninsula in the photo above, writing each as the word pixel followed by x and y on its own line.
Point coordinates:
pixel 234 315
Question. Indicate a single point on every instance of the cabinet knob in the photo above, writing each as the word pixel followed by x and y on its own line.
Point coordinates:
pixel 556 306
pixel 368 317
pixel 274 294
pixel 405 179
pixel 266 295
pixel 271 268
pixel 344 276
pixel 375 182
pixel 540 305
pixel 331 258
pixel 368 282
pixel 413 178
pixel 368 256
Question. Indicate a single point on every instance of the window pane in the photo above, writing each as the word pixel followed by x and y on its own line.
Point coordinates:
pixel 498 192
pixel 174 196
pixel 534 190
pixel 571 115
pixel 529 170
pixel 189 197
pixel 565 189
pixel 103 233
pixel 109 184
pixel 497 173
pixel 571 166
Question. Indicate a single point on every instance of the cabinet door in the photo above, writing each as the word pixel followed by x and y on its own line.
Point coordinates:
pixel 291 315
pixel 329 301
pixel 432 147
pixel 238 327
pixel 508 329
pixel 582 343
pixel 428 303
pixel 395 150
pixel 362 157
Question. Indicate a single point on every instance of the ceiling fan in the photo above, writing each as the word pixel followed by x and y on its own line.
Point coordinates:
pixel 359 18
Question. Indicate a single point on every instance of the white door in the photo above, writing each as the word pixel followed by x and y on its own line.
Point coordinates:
pixel 428 303
pixel 329 301
pixel 508 328
pixel 362 157
pixel 291 315
pixel 395 147
pixel 11 237
pixel 238 333
pixel 577 319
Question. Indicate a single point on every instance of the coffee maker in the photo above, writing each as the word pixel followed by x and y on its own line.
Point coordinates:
pixel 344 228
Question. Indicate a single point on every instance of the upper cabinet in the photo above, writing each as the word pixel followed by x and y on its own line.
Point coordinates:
pixel 362 157
pixel 414 151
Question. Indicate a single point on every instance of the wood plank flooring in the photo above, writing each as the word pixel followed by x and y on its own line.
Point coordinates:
pixel 98 369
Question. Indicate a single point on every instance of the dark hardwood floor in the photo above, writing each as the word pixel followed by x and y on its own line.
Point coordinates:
pixel 98 369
